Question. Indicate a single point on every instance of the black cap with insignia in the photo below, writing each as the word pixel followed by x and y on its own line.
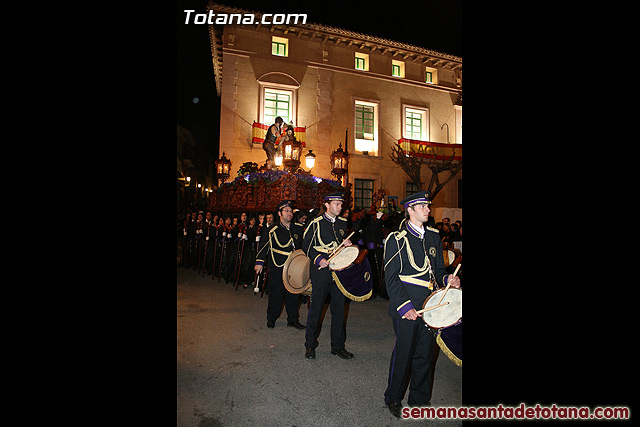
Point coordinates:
pixel 420 197
pixel 284 203
pixel 334 196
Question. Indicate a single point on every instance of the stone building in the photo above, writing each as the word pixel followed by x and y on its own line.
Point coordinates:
pixel 328 80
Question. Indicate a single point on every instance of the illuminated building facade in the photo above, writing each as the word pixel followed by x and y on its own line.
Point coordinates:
pixel 327 80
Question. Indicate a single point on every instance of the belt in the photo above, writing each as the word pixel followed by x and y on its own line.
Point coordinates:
pixel 415 281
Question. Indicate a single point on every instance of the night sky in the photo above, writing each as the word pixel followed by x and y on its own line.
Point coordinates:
pixel 435 25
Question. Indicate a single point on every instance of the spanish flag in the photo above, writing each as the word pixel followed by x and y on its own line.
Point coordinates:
pixel 432 150
pixel 259 131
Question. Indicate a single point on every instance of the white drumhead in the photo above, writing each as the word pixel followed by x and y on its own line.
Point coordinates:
pixel 452 256
pixel 447 315
pixel 344 258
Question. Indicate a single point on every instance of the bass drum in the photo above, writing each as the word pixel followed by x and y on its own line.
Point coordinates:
pixel 295 273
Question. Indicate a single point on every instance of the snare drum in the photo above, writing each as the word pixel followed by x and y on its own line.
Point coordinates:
pixel 447 315
pixel 446 321
pixel 344 258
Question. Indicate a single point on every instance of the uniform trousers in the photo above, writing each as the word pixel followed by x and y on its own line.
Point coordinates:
pixel 319 291
pixel 278 293
pixel 411 358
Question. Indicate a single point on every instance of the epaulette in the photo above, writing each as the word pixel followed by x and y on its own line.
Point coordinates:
pixel 273 228
pixel 435 230
pixel 342 218
pixel 400 234
pixel 316 219
pixel 298 224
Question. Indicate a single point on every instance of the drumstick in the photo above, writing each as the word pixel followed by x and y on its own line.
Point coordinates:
pixel 432 307
pixel 335 251
pixel 447 288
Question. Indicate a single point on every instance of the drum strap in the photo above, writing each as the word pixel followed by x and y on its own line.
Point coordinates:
pixel 280 252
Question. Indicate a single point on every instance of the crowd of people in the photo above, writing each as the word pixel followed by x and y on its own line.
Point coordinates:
pixel 224 245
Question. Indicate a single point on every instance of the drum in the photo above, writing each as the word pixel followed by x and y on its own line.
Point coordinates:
pixel 446 321
pixel 295 273
pixel 450 342
pixel 449 258
pixel 355 281
pixel 344 258
pixel 446 315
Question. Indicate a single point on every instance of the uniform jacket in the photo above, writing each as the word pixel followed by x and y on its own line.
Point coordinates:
pixel 322 236
pixel 408 275
pixel 277 243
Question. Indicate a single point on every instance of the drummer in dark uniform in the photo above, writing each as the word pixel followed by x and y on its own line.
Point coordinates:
pixel 413 265
pixel 280 240
pixel 323 234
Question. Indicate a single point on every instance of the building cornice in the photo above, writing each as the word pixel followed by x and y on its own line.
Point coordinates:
pixel 337 36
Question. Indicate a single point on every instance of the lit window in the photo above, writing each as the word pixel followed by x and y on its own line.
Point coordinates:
pixel 431 75
pixel 397 68
pixel 366 126
pixel 362 61
pixel 415 123
pixel 279 46
pixel 277 103
pixel 364 121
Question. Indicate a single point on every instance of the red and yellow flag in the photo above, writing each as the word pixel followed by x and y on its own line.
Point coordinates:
pixel 259 131
pixel 437 150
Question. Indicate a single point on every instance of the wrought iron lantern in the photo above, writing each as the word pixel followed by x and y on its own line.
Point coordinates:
pixel 223 166
pixel 291 151
pixel 340 160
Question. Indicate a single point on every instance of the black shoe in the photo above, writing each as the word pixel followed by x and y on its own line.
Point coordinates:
pixel 297 324
pixel 310 353
pixel 342 353
pixel 271 323
pixel 395 408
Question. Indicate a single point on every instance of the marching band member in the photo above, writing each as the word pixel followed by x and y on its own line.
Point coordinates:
pixel 277 242
pixel 323 235
pixel 413 262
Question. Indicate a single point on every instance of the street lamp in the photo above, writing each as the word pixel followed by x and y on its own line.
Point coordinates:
pixel 223 166
pixel 340 160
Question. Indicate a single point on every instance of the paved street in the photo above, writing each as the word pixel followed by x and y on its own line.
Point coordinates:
pixel 234 371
